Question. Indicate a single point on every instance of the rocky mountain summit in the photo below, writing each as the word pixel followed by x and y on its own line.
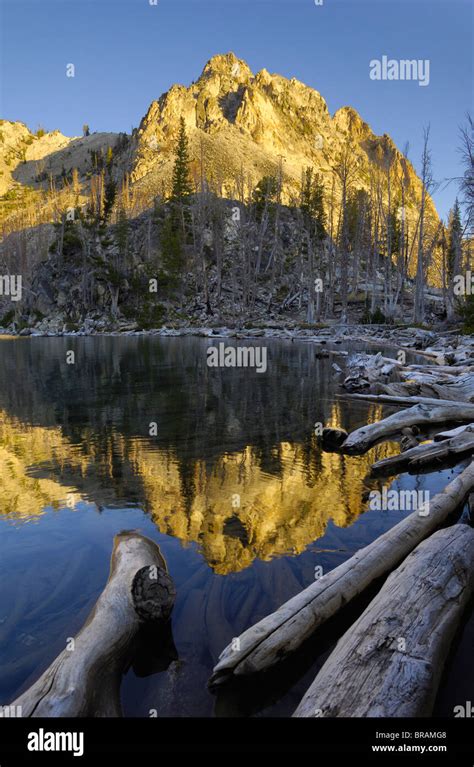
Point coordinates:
pixel 241 126
pixel 88 221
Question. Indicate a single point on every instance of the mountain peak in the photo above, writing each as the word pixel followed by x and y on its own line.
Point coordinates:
pixel 229 66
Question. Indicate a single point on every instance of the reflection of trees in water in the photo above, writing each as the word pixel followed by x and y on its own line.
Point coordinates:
pixel 128 382
pixel 221 433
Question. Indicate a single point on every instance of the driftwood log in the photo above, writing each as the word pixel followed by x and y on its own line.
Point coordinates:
pixel 84 680
pixel 434 453
pixel 284 631
pixel 361 440
pixel 389 662
pixel 441 435
pixel 389 399
pixel 460 388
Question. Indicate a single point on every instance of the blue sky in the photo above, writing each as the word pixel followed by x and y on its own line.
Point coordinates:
pixel 127 52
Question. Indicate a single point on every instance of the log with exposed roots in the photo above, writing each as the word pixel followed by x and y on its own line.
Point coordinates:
pixel 284 631
pixel 389 662
pixel 84 680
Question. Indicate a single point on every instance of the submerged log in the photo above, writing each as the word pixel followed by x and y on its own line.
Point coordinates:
pixel 360 440
pixel 284 631
pixel 389 663
pixel 458 446
pixel 84 680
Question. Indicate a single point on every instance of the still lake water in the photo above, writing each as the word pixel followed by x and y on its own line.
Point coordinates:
pixel 234 489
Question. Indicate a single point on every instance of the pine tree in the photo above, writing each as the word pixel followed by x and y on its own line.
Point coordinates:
pixel 181 189
pixel 174 232
pixel 109 198
pixel 454 241
pixel 312 203
pixel 121 233
pixel 265 195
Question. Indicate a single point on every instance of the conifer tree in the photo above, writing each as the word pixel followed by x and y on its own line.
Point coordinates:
pixel 181 189
pixel 454 241
pixel 312 203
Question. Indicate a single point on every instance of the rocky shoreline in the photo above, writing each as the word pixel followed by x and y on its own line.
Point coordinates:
pixel 445 347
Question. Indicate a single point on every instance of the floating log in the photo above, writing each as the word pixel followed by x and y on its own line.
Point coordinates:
pixel 360 440
pixel 284 631
pixel 389 663
pixel 84 680
pixel 459 446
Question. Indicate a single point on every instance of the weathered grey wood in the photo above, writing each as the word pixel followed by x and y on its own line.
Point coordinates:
pixel 457 389
pixel 441 435
pixel 84 680
pixel 388 399
pixel 360 440
pixel 460 445
pixel 284 631
pixel 449 369
pixel 389 663
pixel 366 369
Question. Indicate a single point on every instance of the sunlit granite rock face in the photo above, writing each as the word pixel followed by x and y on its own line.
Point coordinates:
pixel 241 126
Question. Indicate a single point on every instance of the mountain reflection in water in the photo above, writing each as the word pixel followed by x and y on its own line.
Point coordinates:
pixel 234 488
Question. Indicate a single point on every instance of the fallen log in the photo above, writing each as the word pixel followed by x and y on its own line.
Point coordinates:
pixel 453 432
pixel 449 369
pixel 388 399
pixel 84 680
pixel 284 631
pixel 366 369
pixel 361 440
pixel 389 663
pixel 461 444
pixel 460 389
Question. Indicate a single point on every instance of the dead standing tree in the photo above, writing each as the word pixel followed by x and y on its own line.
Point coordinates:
pixel 345 170
pixel 426 186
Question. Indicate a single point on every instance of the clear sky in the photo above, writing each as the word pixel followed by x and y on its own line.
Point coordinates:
pixel 128 52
